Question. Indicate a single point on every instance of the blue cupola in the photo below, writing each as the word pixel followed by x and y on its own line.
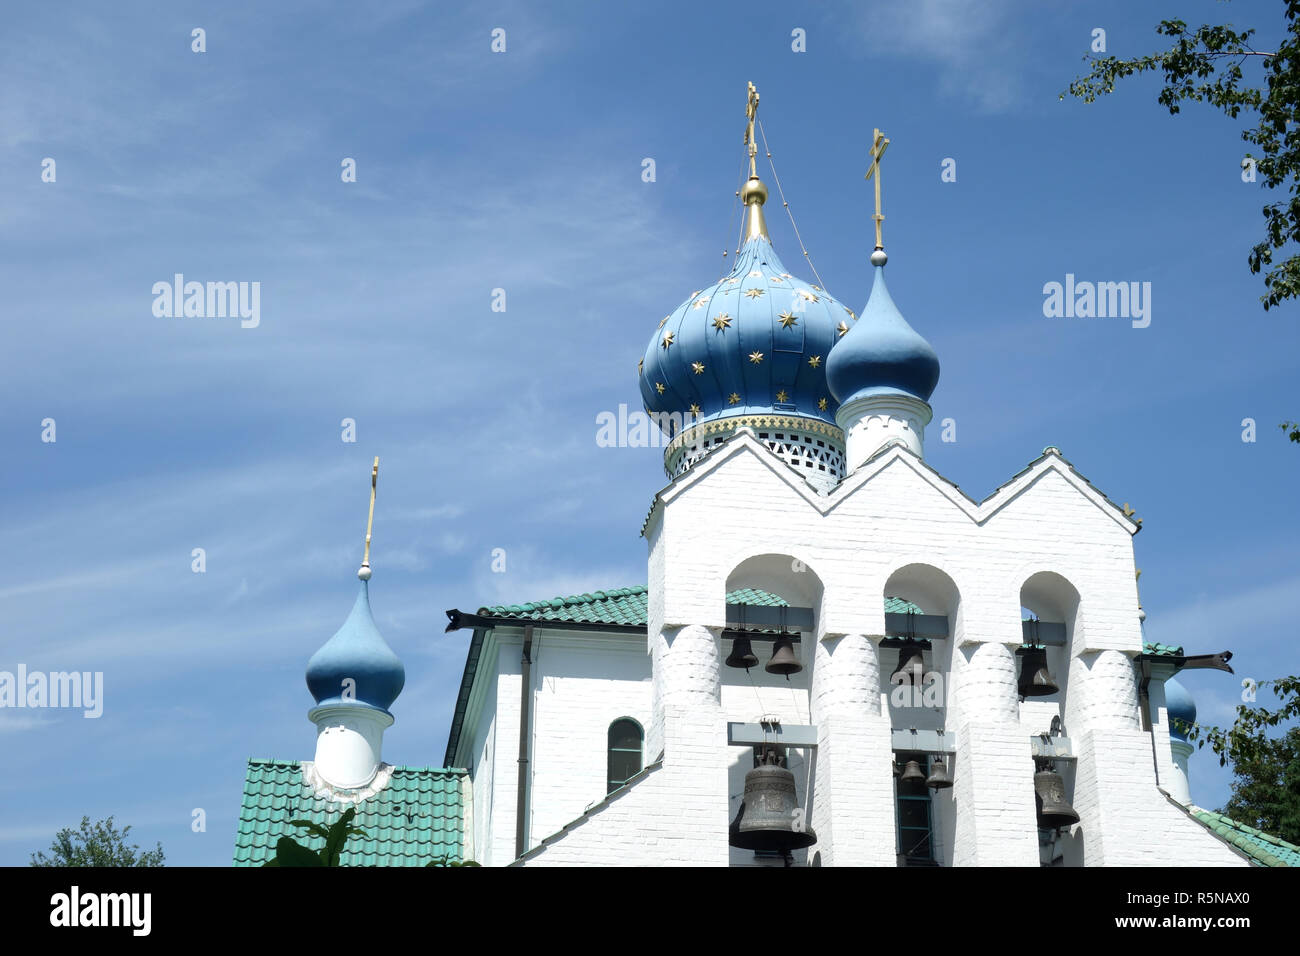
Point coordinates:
pixel 359 654
pixel 882 354
pixel 1181 708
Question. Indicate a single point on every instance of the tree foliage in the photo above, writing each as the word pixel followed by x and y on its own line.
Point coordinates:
pixel 1205 65
pixel 96 844
pixel 1266 788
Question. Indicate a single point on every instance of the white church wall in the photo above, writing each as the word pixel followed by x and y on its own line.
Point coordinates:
pixel 582 684
pixel 483 778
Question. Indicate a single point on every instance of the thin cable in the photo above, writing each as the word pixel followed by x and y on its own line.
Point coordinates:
pixel 734 206
pixel 781 192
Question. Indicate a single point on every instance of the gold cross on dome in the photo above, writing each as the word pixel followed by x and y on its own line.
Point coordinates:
pixel 879 143
pixel 751 110
pixel 370 521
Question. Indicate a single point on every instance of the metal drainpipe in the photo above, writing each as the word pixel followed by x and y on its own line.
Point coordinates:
pixel 525 715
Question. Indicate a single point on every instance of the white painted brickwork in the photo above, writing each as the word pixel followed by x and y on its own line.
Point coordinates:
pixel 1047 541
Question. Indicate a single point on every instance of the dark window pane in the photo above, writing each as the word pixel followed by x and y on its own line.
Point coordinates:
pixel 914 813
pixel 625 735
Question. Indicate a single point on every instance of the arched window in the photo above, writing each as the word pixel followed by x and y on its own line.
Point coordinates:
pixel 625 738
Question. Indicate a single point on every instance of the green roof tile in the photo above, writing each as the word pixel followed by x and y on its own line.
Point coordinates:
pixel 628 606
pixel 417 817
pixel 1263 848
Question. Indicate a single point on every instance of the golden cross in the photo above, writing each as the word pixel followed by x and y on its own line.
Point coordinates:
pixel 878 146
pixel 751 110
pixel 370 521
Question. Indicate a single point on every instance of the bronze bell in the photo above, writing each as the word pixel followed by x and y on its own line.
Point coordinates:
pixel 769 817
pixel 1049 796
pixel 910 665
pixel 742 654
pixel 913 773
pixel 940 778
pixel 1035 679
pixel 783 660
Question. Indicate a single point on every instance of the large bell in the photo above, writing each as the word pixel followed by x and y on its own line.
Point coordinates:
pixel 1035 679
pixel 769 817
pixel 1049 796
pixel 783 660
pixel 913 773
pixel 940 778
pixel 742 654
pixel 910 666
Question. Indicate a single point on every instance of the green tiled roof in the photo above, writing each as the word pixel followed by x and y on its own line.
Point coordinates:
pixel 628 606
pixel 1264 849
pixel 418 816
pixel 1162 650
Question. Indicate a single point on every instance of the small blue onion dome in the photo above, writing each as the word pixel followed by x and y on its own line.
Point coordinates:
pixel 357 652
pixel 882 354
pixel 753 343
pixel 1181 708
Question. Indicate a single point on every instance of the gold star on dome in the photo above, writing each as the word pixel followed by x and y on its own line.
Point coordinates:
pixel 782 396
pixel 852 315
pixel 663 321
pixel 701 302
pixel 819 288
pixel 733 399
pixel 753 293
pixel 841 328
pixel 732 281
pixel 694 410
pixel 786 275
pixel 699 367
pixel 808 295
pixel 668 340
pixel 756 274
pixel 756 358
pixel 659 387
pixel 815 361
pixel 821 404
pixel 722 321
pixel 640 364
pixel 774 278
pixel 696 292
pixel 787 320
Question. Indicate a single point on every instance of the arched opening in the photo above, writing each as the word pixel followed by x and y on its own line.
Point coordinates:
pixel 626 740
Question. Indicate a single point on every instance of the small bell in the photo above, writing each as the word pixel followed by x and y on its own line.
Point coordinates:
pixel 910 666
pixel 783 660
pixel 1049 796
pixel 742 654
pixel 1035 679
pixel 913 773
pixel 940 778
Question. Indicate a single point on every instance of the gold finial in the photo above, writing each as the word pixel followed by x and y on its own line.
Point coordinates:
pixel 878 146
pixel 364 572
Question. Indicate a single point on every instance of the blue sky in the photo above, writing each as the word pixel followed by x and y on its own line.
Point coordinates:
pixel 522 171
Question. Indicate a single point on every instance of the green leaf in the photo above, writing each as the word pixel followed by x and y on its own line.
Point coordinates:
pixel 290 853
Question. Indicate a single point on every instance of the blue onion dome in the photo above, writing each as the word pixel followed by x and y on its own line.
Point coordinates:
pixel 1181 708
pixel 882 354
pixel 750 349
pixel 357 652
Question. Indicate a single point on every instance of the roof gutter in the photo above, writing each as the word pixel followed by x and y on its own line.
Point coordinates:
pixel 525 719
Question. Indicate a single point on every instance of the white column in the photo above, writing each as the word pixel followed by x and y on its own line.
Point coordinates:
pixel 993 773
pixel 853 789
pixel 689 724
pixel 349 743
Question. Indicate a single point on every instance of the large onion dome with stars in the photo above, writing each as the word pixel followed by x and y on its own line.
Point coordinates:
pixel 749 350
